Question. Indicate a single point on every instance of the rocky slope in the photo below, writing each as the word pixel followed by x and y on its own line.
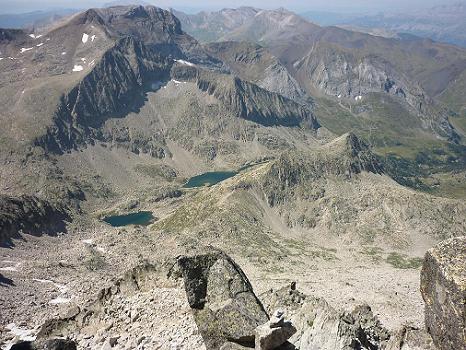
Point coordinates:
pixel 205 301
pixel 118 124
pixel 89 51
pixel 210 26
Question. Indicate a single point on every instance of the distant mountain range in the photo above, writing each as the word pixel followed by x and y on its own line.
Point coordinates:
pixel 33 19
pixel 445 23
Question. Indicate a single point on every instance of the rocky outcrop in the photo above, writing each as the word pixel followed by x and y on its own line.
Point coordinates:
pixel 274 333
pixel 30 215
pixel 142 309
pixel 247 100
pixel 410 338
pixel 443 287
pixel 217 297
pixel 343 75
pixel 222 299
pixel 157 28
pixel 320 326
pixel 8 35
pixel 208 293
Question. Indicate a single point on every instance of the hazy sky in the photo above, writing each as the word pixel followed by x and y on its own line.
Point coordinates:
pixel 16 6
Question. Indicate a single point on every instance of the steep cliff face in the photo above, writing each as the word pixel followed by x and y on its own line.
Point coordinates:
pixel 333 62
pixel 155 27
pixel 29 215
pixel 254 103
pixel 343 75
pixel 98 64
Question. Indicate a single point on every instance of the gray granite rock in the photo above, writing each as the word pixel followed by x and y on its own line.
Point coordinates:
pixel 443 287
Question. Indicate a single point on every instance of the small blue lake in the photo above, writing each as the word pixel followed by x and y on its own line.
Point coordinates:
pixel 140 218
pixel 209 179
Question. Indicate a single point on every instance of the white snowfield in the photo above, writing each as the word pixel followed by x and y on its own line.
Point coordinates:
pixel 61 287
pixel 186 63
pixel 23 49
pixel 35 36
pixel 93 38
pixel 77 68
pixel 60 300
pixel 39 45
pixel 10 268
pixel 85 38
pixel 358 98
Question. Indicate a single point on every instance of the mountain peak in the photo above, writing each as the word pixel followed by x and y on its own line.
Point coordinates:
pixel 90 16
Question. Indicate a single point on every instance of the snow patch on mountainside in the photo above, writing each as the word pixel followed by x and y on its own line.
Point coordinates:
pixel 186 63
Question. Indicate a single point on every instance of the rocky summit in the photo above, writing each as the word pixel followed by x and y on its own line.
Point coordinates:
pixel 226 180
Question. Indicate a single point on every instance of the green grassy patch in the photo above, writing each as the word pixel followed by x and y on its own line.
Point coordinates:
pixel 156 171
pixel 95 261
pixel 402 261
pixel 374 253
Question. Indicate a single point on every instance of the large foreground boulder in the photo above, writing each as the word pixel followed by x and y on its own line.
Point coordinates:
pixel 443 287
pixel 222 299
